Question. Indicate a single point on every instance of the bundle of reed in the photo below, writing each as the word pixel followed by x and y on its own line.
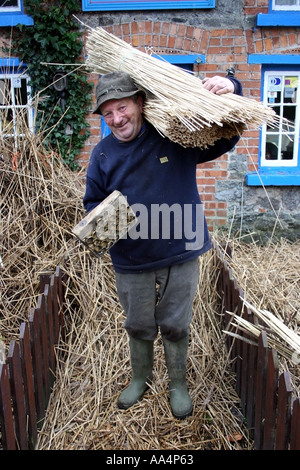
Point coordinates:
pixel 282 338
pixel 177 104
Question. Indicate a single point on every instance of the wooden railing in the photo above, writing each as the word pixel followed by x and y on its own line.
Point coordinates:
pixel 27 374
pixel 271 412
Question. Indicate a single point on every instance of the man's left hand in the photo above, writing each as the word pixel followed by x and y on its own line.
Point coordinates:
pixel 218 85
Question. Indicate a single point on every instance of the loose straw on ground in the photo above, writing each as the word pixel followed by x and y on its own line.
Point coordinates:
pixel 177 104
pixel 94 367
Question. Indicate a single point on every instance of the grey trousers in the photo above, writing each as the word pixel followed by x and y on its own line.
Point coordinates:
pixel 161 299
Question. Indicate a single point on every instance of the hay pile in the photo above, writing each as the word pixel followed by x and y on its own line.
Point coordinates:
pixel 39 201
pixel 177 104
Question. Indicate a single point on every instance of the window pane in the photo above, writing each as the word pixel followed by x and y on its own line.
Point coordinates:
pixel 21 121
pixel 285 5
pixel 9 3
pixel 5 92
pixel 287 146
pixel 280 147
pixel 277 111
pixel 6 117
pixel 20 90
pixel 290 89
pixel 272 147
pixel 289 112
pixel 285 2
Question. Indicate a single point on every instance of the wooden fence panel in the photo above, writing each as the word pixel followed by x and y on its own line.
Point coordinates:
pixel 18 396
pixel 271 401
pixel 28 383
pixel 55 306
pixel 245 360
pixel 27 376
pixel 61 300
pixel 36 351
pixel 295 426
pixel 50 327
pixel 251 388
pixel 41 314
pixel 260 391
pixel 6 415
pixel 244 375
pixel 284 412
pixel 237 305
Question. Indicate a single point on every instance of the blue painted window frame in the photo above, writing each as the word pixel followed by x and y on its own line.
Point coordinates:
pixel 12 18
pixel 98 5
pixel 185 61
pixel 278 17
pixel 275 176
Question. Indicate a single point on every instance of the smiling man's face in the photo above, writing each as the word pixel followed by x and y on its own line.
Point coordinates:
pixel 123 117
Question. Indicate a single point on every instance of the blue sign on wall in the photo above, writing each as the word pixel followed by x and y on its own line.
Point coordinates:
pixel 98 5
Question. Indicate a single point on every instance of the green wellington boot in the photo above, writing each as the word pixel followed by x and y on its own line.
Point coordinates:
pixel 141 356
pixel 176 356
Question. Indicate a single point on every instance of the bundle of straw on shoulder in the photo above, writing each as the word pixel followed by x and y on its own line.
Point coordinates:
pixel 177 104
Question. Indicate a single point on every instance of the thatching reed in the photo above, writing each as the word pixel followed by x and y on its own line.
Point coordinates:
pixel 280 337
pixel 38 206
pixel 177 104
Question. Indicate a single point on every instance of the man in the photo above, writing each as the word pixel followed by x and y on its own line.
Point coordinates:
pixel 156 269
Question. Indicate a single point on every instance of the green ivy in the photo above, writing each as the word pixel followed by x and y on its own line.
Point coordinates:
pixel 55 38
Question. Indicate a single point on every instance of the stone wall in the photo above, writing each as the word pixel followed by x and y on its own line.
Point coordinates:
pixel 258 213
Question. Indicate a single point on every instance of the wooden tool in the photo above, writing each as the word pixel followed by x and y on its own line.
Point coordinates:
pixel 107 223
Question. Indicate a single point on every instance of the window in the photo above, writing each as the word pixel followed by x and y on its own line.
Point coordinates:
pixel 279 159
pixel 285 5
pixel 108 5
pixel 280 145
pixel 16 112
